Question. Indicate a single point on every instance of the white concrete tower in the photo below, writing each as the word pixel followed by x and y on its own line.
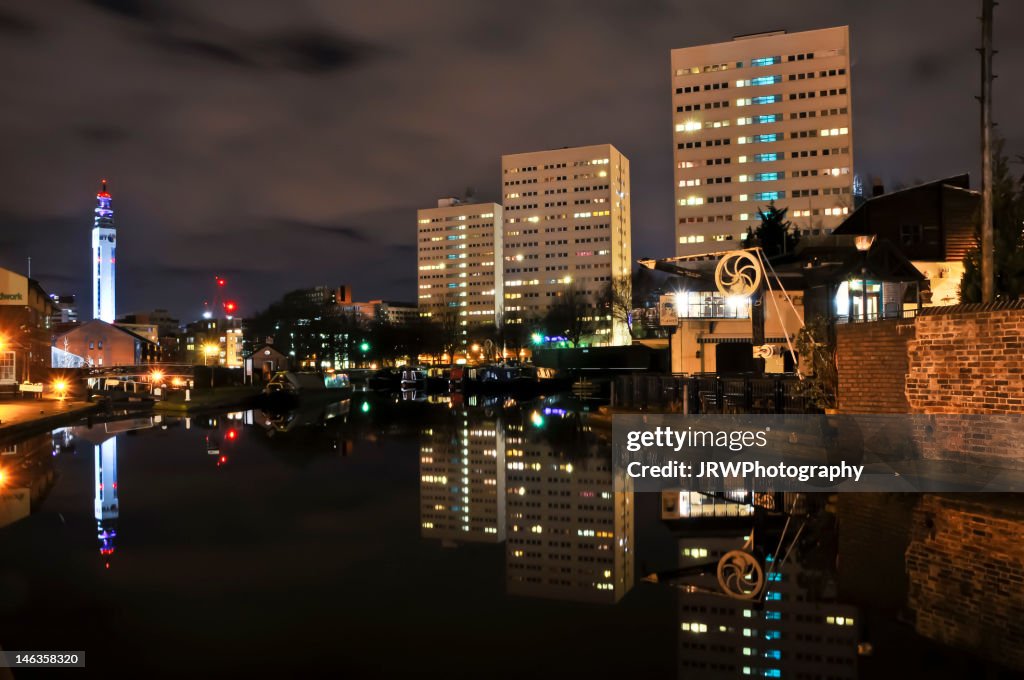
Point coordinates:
pixel 103 257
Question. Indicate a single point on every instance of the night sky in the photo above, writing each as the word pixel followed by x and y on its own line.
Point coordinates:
pixel 289 144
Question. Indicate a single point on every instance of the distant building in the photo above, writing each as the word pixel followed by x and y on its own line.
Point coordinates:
pixel 99 343
pixel 25 310
pixel 104 251
pixel 932 224
pixel 327 295
pixel 761 118
pixel 385 311
pixel 459 258
pixel 65 311
pixel 161 326
pixel 267 360
pixel 567 229
pixel 214 342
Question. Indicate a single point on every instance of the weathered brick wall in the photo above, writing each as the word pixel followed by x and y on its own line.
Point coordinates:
pixel 872 362
pixel 965 566
pixel 966 367
pixel 967 359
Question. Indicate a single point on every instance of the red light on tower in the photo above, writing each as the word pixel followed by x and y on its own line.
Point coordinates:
pixel 221 282
pixel 232 434
pixel 230 306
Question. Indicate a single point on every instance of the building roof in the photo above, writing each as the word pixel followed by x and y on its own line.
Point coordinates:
pixel 857 222
pixel 94 322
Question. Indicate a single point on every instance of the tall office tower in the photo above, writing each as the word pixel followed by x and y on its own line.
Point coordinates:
pixel 103 257
pixel 459 261
pixel 761 118
pixel 462 477
pixel 567 230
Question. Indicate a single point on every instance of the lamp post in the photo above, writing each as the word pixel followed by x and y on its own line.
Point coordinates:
pixel 208 351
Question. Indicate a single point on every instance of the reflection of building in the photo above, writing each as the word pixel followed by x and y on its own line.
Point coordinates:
pixel 570 534
pixel 459 258
pixel 567 229
pixel 26 476
pixel 462 479
pixel 106 507
pixel 798 631
pixel 103 258
pixel 761 118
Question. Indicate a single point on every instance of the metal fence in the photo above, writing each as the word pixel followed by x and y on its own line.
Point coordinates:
pixel 709 394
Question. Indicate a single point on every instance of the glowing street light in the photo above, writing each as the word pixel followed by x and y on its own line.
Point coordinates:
pixel 208 351
pixel 156 377
pixel 60 386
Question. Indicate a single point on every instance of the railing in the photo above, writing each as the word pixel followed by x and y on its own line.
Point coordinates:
pixel 889 313
pixel 709 394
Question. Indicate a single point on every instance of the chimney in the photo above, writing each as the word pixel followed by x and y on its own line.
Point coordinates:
pixel 877 188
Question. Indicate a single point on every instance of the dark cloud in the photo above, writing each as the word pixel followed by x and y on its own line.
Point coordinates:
pixel 203 49
pixel 145 11
pixel 293 226
pixel 13 24
pixel 313 52
pixel 102 134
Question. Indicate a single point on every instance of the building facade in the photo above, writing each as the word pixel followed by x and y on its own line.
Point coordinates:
pixel 762 118
pixel 104 249
pixel 932 224
pixel 25 310
pixel 99 343
pixel 567 230
pixel 459 256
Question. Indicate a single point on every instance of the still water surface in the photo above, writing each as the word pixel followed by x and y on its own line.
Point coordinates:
pixel 385 536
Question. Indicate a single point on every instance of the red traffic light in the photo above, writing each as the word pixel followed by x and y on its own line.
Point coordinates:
pixel 232 434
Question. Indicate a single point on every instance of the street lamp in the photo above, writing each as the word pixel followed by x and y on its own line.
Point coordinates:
pixel 208 351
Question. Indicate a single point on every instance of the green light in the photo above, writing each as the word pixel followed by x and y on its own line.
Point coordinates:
pixel 364 346
pixel 537 419
pixel 537 338
pixel 365 408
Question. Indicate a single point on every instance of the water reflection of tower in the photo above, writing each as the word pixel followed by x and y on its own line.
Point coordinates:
pixel 106 504
pixel 798 631
pixel 462 479
pixel 570 534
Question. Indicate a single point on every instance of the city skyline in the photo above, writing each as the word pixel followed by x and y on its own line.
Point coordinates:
pixel 186 117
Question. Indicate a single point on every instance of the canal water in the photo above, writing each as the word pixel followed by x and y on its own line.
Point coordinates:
pixel 398 535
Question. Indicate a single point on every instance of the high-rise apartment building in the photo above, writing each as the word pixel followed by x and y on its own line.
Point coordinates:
pixel 459 255
pixel 567 230
pixel 761 118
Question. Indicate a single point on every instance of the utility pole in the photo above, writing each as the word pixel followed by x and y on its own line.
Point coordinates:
pixel 988 292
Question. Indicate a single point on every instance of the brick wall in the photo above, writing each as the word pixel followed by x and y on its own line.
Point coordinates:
pixel 872 361
pixel 967 359
pixel 965 567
